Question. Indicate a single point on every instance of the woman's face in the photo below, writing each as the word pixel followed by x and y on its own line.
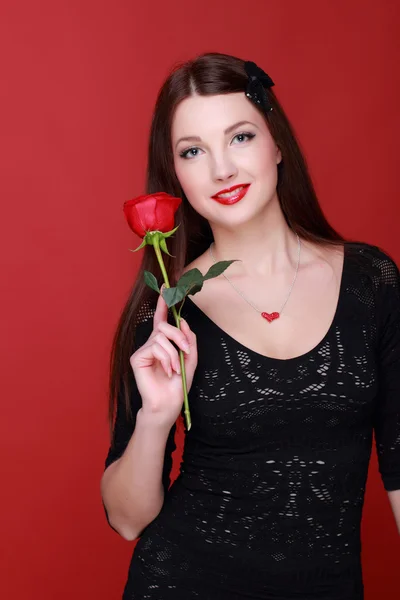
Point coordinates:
pixel 246 154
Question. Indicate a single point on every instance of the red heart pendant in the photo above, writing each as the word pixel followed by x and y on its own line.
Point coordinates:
pixel 270 316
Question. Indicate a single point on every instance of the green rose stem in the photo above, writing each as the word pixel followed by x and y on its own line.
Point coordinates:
pixel 191 282
pixel 156 244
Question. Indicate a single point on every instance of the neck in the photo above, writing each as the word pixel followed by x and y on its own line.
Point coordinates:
pixel 262 251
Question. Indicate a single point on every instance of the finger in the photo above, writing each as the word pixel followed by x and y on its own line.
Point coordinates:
pixel 163 356
pixel 189 334
pixel 176 335
pixel 191 337
pixel 168 347
pixel 161 312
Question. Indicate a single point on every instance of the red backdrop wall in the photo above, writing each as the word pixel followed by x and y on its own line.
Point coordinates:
pixel 79 82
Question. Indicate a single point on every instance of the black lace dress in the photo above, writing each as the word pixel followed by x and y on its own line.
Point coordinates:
pixel 269 499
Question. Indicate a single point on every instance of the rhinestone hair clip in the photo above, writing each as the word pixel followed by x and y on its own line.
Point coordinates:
pixel 258 81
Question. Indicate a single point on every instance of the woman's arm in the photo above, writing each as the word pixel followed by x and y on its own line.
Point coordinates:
pixel 394 498
pixel 387 414
pixel 131 487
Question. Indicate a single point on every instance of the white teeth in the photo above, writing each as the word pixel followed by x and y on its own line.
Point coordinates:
pixel 229 194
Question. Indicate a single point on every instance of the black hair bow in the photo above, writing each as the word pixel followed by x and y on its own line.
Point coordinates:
pixel 258 80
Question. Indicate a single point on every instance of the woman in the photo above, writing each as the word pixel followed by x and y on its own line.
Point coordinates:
pixel 294 362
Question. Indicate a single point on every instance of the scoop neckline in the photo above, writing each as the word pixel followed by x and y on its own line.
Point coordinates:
pixel 293 359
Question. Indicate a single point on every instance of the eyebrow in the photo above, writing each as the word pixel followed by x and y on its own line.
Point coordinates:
pixel 196 138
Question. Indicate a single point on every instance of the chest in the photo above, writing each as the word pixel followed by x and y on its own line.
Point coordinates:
pixel 304 322
pixel 326 387
pixel 307 309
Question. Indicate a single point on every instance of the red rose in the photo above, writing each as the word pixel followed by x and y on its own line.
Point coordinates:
pixel 152 218
pixel 151 212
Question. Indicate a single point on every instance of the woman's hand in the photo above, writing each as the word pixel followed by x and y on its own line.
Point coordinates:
pixel 162 395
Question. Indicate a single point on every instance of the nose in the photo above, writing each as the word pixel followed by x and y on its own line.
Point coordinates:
pixel 223 168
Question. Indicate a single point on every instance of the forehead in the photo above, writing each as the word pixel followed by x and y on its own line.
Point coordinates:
pixel 199 115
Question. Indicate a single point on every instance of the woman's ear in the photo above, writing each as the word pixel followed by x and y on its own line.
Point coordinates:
pixel 278 156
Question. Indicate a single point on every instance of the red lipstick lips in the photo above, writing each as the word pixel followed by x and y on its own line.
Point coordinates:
pixel 234 197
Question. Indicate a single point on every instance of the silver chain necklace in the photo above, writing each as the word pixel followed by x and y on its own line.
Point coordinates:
pixel 268 316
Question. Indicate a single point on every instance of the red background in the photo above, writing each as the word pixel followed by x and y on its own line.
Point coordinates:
pixel 79 83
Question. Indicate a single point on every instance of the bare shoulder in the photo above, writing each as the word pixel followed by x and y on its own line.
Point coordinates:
pixel 329 256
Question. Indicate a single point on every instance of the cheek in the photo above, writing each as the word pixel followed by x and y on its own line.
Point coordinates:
pixel 262 157
pixel 191 177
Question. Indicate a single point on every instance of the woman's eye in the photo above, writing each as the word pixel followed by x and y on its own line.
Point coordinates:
pixel 246 135
pixel 186 153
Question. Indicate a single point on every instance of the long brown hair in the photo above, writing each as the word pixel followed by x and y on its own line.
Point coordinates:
pixel 208 74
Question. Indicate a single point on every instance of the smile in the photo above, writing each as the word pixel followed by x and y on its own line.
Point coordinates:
pixel 233 196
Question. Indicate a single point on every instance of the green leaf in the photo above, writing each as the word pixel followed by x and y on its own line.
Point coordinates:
pixel 173 295
pixel 192 281
pixel 195 288
pixel 218 268
pixel 151 281
pixel 190 278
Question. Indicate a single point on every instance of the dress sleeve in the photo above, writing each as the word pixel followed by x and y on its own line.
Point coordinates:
pixel 387 414
pixel 124 427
